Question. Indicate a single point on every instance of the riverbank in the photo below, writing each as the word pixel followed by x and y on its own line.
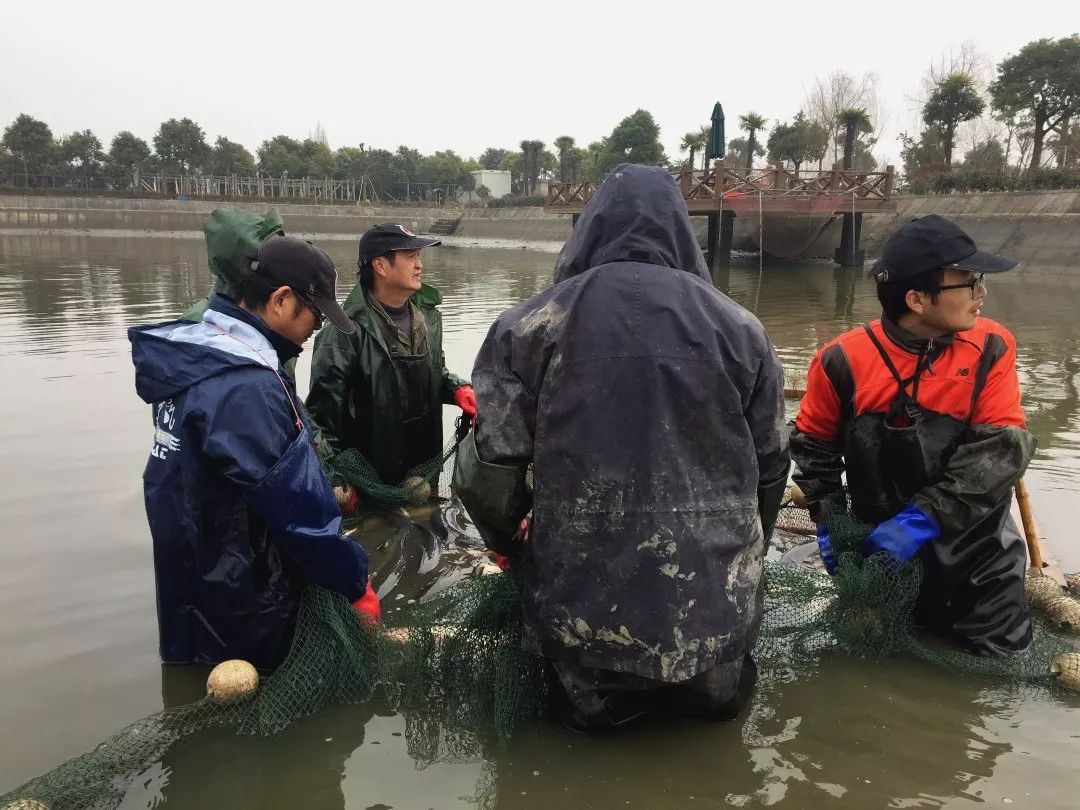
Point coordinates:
pixel 40 213
pixel 1041 228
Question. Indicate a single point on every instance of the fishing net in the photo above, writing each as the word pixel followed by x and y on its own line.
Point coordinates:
pixel 421 483
pixel 333 659
pixel 866 609
pixel 455 667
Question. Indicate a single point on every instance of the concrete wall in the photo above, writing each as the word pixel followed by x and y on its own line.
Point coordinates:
pixel 111 213
pixel 1039 227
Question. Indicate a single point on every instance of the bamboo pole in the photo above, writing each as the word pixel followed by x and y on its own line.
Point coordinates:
pixel 1031 528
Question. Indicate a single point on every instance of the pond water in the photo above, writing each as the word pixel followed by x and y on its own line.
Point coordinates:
pixel 78 636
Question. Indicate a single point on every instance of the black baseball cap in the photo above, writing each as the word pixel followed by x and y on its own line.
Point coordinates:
pixel 930 242
pixel 381 239
pixel 307 269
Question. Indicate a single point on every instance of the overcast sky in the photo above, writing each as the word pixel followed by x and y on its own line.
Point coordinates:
pixel 468 75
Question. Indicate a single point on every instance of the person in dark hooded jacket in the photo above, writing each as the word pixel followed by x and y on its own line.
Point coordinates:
pixel 921 409
pixel 651 408
pixel 240 511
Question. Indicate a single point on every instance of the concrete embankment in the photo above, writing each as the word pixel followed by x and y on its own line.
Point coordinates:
pixel 1039 227
pixel 33 213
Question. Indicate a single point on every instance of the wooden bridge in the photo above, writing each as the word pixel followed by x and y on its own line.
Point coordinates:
pixel 722 193
pixel 774 188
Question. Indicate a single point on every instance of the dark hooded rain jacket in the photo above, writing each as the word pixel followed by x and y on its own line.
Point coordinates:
pixel 651 407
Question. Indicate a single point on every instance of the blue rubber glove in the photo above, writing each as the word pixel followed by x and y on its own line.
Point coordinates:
pixel 902 536
pixel 824 544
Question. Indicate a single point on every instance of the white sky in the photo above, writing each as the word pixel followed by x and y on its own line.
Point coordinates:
pixel 466 75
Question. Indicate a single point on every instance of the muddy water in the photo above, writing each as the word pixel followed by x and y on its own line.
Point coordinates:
pixel 78 634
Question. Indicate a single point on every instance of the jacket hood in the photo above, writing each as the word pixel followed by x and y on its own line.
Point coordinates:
pixel 637 215
pixel 231 235
pixel 172 356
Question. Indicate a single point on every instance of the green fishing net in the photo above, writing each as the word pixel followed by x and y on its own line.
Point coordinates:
pixel 454 666
pixel 420 484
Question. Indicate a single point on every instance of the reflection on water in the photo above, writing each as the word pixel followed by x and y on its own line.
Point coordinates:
pixel 78 636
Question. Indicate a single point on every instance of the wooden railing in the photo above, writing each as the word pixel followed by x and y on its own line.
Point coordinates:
pixel 776 187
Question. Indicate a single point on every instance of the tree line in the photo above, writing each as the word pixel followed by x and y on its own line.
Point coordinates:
pixel 1018 129
pixel 30 155
pixel 1015 127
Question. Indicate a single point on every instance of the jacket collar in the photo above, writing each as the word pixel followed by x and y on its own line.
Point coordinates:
pixel 286 350
pixel 356 305
pixel 913 344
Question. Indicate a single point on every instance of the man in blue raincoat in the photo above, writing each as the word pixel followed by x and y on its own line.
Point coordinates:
pixel 241 514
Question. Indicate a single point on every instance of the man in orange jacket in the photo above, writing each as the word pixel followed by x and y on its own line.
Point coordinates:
pixel 921 409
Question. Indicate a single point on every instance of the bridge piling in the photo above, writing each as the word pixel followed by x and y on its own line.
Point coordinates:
pixel 850 254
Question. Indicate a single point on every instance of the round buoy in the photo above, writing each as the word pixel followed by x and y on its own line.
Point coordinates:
pixel 348 500
pixel 232 680
pixel 25 804
pixel 418 489
pixel 1066 668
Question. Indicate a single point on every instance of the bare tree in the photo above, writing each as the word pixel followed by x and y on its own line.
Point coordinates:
pixel 842 91
pixel 969 60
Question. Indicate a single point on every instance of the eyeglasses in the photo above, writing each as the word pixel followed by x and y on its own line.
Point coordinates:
pixel 975 283
pixel 311 305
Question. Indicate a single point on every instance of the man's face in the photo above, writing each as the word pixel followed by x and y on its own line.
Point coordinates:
pixel 290 316
pixel 405 273
pixel 955 310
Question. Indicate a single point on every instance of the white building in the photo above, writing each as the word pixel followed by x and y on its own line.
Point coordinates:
pixel 497 182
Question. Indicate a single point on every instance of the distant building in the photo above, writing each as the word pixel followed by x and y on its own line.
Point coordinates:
pixel 497 182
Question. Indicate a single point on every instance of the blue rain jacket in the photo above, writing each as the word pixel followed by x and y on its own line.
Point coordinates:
pixel 240 511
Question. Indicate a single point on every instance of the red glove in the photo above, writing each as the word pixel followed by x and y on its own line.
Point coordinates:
pixel 522 536
pixel 348 499
pixel 465 398
pixel 368 606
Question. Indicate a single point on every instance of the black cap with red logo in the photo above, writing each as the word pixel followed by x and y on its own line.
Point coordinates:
pixel 382 239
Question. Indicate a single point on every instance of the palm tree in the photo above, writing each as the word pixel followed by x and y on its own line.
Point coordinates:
pixel 530 164
pixel 854 121
pixel 694 142
pixel 752 123
pixel 564 144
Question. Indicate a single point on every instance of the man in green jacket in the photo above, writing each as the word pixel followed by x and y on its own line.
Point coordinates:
pixel 380 390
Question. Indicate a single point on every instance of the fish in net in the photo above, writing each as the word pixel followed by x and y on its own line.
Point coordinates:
pixel 421 483
pixel 455 666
